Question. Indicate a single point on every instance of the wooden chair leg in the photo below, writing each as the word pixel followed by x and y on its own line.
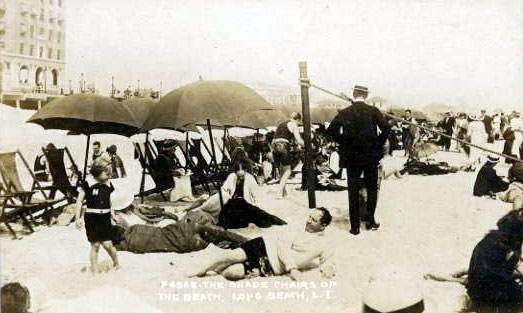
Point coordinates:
pixel 26 223
pixel 10 230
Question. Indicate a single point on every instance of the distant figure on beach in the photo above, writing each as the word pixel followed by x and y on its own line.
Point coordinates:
pixel 406 137
pixel 361 148
pixel 488 182
pixel 447 125
pixel 118 169
pixel 278 255
pixel 98 212
pixel 97 150
pixel 287 134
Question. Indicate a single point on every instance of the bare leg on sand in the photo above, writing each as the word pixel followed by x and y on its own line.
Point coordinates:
pixel 456 277
pixel 219 262
pixel 111 250
pixel 282 192
pixel 93 257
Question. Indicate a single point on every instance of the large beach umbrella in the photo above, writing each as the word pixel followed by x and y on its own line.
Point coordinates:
pixel 87 114
pixel 140 108
pixel 217 102
pixel 263 118
pixel 221 102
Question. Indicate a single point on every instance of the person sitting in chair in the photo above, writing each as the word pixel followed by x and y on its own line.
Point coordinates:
pixel 240 196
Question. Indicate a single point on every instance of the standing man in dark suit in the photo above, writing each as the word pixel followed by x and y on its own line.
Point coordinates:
pixel 361 131
pixel 447 125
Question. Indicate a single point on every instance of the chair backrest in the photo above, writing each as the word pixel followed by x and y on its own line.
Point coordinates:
pixel 9 172
pixel 56 161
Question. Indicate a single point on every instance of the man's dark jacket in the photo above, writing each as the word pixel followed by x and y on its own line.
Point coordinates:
pixel 355 128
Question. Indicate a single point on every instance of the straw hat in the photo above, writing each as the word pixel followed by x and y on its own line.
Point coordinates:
pixel 396 288
pixel 492 158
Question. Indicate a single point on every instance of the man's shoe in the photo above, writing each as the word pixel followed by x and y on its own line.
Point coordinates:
pixel 372 225
pixel 355 232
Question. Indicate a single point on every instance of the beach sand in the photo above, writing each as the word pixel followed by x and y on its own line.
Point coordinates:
pixel 432 222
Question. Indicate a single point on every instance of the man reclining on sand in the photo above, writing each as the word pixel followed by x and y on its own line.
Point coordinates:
pixel 267 256
pixel 493 279
pixel 184 236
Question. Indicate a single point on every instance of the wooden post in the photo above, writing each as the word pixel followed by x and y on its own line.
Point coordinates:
pixel 86 155
pixel 304 82
pixel 216 163
pixel 142 181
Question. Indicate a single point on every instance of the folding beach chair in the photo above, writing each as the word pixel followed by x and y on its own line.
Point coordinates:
pixel 16 201
pixel 61 180
pixel 146 156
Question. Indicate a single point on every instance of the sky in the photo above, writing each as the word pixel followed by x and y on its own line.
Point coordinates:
pixel 410 52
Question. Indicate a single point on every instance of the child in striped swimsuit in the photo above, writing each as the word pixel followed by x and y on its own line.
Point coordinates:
pixel 98 213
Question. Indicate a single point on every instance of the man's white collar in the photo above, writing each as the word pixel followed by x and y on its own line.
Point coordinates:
pixel 359 99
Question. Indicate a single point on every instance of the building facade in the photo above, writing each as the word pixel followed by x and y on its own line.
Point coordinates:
pixel 278 95
pixel 32 52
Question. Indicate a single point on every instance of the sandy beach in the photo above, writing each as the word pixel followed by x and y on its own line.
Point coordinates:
pixel 429 222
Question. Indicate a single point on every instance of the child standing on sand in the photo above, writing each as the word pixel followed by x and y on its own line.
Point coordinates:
pixel 98 212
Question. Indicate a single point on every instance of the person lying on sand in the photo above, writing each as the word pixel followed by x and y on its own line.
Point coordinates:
pixel 183 236
pixel 240 194
pixel 492 279
pixel 268 256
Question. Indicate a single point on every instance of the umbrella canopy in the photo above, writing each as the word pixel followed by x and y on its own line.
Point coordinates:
pixel 263 118
pixel 320 115
pixel 87 114
pixel 222 102
pixel 140 108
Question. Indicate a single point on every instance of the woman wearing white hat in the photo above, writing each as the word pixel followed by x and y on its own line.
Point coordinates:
pixel 478 136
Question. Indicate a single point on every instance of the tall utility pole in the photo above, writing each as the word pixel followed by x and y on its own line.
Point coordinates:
pixel 160 93
pixel 304 82
pixel 112 86
pixel 82 83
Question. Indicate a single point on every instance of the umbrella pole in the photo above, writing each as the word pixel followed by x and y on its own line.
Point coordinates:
pixel 187 149
pixel 142 182
pixel 304 82
pixel 214 158
pixel 86 155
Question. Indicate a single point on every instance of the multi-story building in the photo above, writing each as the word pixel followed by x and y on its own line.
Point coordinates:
pixel 32 52
pixel 278 95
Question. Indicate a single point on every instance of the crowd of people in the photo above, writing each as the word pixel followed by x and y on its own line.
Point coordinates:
pixel 358 143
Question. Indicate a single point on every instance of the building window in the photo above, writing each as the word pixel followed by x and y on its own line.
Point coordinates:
pixel 42 31
pixel 24 74
pixel 41 52
pixel 49 53
pixel 50 2
pixel 50 35
pixel 42 18
pixel 58 54
pixel 54 73
pixel 32 31
pixel 59 37
pixel 32 50
pixel 60 3
pixel 21 48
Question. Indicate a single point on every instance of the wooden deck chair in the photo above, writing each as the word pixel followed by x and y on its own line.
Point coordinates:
pixel 8 214
pixel 200 175
pixel 61 181
pixel 15 196
pixel 147 155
